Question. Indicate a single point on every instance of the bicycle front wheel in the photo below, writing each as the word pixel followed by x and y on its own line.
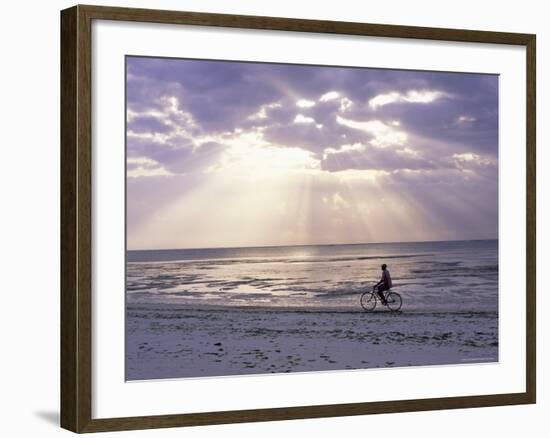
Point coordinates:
pixel 394 301
pixel 368 301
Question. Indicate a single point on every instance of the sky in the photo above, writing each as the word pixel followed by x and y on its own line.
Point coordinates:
pixel 233 154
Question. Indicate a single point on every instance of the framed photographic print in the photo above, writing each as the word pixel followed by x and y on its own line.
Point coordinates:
pixel 269 218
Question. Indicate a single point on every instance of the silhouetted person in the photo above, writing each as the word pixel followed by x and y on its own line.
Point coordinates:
pixel 384 284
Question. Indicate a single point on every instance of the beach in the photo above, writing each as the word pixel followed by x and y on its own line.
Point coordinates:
pixel 172 342
pixel 201 313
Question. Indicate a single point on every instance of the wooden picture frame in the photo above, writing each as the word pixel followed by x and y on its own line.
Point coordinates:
pixel 76 218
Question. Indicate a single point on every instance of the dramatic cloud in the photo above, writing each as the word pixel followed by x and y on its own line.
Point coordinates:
pixel 302 119
pixel 248 144
pixel 303 103
pixel 262 112
pixel 412 96
pixel 143 166
pixel 383 134
pixel 466 119
pixel 360 156
pixel 331 95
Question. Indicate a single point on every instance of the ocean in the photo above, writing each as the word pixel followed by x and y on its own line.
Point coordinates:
pixel 445 276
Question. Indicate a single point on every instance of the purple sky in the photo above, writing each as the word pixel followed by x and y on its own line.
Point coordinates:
pixel 245 154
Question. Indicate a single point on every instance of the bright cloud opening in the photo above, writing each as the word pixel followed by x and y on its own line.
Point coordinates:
pixel 466 119
pixel 262 112
pixel 345 104
pixel 383 135
pixel 300 118
pixel 412 96
pixel 469 158
pixel 303 103
pixel 253 161
pixel 331 95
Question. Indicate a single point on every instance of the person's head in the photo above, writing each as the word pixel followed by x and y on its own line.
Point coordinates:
pixel 383 267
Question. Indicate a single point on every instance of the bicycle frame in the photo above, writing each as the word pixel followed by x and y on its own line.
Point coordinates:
pixel 385 293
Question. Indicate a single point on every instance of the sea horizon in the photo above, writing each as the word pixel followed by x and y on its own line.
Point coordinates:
pixel 310 244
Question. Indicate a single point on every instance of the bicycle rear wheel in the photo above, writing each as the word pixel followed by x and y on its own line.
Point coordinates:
pixel 368 301
pixel 394 301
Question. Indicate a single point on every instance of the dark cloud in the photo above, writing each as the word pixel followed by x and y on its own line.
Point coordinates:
pixel 149 124
pixel 222 96
pixel 175 157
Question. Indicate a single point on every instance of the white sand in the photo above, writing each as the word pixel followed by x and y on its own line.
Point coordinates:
pixel 170 341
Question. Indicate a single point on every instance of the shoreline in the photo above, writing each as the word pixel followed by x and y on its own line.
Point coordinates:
pixel 379 310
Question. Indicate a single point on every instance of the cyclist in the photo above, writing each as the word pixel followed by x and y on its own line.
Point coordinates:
pixel 384 284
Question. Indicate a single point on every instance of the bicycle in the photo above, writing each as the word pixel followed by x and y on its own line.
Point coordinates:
pixel 370 297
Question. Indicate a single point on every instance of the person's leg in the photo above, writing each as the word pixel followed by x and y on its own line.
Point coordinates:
pixel 381 290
